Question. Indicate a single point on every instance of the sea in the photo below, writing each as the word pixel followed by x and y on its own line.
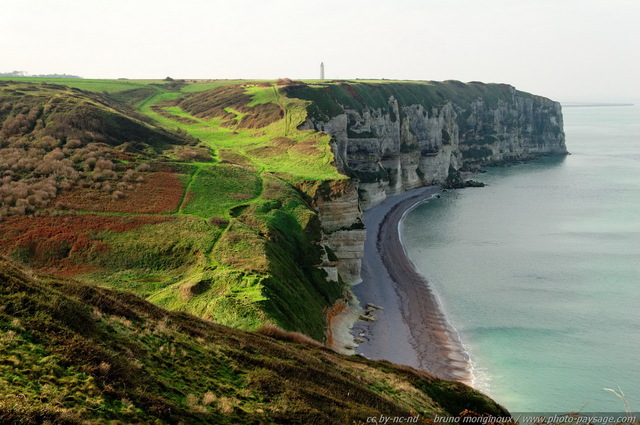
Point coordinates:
pixel 539 271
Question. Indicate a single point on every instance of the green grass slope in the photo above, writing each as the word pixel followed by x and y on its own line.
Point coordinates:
pixel 73 353
pixel 187 193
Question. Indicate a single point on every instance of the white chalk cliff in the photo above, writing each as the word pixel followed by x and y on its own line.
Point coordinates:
pixel 417 136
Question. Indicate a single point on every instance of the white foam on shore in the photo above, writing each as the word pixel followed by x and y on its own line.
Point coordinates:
pixel 481 378
pixel 477 378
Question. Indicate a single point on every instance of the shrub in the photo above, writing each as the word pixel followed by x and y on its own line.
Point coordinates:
pixel 144 167
pixel 73 144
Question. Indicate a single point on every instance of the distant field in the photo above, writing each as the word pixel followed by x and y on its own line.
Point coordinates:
pixel 109 86
pixel 202 85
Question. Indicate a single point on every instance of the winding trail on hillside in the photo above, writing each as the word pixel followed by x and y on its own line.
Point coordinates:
pixel 410 328
pixel 187 188
pixel 284 111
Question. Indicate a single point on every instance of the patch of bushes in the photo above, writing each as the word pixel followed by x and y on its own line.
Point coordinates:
pixel 51 141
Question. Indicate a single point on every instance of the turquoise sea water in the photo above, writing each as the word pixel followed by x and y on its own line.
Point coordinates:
pixel 540 271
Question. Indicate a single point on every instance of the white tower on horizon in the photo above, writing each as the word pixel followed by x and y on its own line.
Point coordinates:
pixel 322 70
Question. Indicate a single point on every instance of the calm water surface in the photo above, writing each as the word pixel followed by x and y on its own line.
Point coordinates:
pixel 540 271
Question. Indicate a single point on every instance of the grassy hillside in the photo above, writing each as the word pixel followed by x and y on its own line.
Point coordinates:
pixel 187 193
pixel 192 194
pixel 75 353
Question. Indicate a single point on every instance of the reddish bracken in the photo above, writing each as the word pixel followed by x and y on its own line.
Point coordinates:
pixel 159 193
pixel 63 244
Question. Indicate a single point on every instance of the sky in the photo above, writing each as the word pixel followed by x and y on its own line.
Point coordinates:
pixel 568 50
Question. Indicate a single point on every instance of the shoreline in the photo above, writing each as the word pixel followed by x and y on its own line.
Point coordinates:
pixel 404 320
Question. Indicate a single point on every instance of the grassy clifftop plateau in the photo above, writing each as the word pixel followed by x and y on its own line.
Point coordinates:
pixel 186 194
pixel 75 353
pixel 329 100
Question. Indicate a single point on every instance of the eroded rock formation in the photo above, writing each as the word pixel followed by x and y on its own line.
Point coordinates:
pixel 395 137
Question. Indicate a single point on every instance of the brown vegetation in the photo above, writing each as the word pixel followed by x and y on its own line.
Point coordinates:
pixel 308 147
pixel 33 174
pixel 218 102
pixel 289 82
pixel 260 115
pixel 230 156
pixel 62 243
pixel 193 153
pixel 274 147
pixel 54 139
pixel 159 109
pixel 214 103
pixel 158 192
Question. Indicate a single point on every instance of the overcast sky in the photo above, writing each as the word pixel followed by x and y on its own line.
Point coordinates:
pixel 569 50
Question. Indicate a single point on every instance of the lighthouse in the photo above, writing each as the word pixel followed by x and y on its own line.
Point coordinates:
pixel 322 70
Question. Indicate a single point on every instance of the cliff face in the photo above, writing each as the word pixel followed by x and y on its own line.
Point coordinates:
pixel 389 155
pixel 407 142
pixel 393 137
pixel 342 230
pixel 524 128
